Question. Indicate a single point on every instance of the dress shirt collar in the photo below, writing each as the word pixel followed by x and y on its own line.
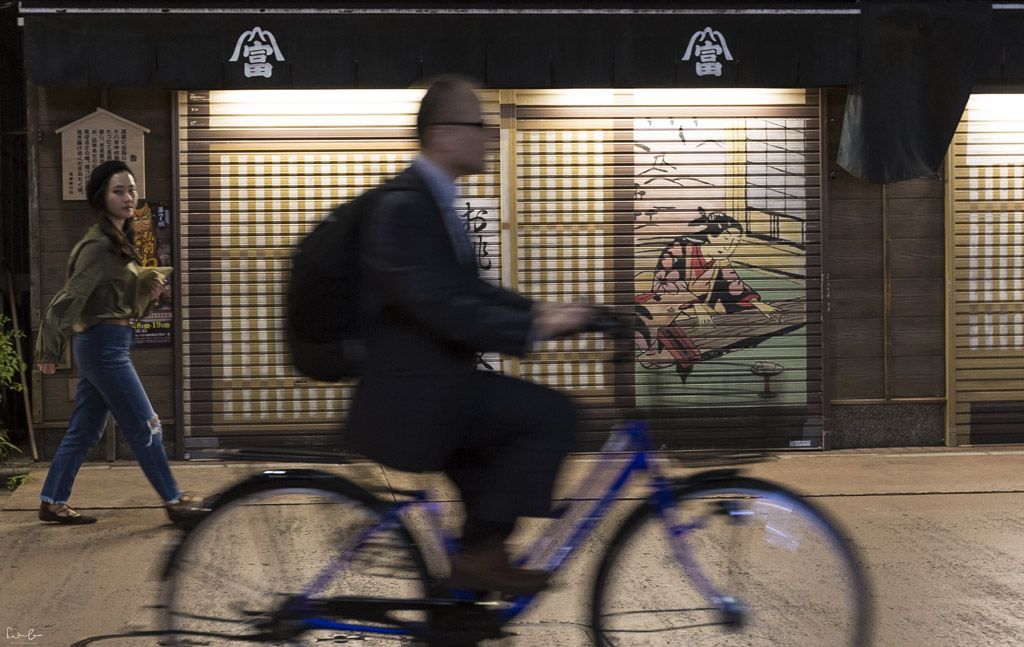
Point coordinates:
pixel 441 186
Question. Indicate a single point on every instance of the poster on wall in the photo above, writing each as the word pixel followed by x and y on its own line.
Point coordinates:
pixel 720 276
pixel 153 242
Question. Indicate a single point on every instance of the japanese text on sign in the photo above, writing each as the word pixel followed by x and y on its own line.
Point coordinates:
pixel 88 142
pixel 707 47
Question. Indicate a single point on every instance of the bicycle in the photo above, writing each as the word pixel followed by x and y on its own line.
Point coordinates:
pixel 717 558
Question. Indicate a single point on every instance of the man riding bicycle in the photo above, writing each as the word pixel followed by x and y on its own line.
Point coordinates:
pixel 422 405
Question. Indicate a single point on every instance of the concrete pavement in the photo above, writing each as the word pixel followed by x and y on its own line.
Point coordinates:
pixel 941 532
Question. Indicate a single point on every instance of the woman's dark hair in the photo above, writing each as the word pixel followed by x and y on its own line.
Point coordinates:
pixel 99 181
pixel 712 223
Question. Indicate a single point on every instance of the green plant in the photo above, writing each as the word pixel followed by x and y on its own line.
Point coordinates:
pixel 11 366
pixel 13 482
pixel 6 446
pixel 11 363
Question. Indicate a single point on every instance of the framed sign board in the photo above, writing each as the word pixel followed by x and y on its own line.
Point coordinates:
pixel 96 138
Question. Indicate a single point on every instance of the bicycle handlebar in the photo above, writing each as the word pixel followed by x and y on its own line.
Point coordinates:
pixel 610 321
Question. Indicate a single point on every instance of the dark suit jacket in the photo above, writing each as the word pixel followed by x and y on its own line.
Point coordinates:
pixel 428 315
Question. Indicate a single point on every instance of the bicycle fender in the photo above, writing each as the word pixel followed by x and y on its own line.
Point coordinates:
pixel 703 478
pixel 269 476
pixel 298 476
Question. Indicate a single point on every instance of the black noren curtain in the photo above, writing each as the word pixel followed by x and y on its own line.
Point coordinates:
pixel 917 64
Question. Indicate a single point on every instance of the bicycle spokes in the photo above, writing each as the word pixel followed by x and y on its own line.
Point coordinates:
pixel 266 566
pixel 729 567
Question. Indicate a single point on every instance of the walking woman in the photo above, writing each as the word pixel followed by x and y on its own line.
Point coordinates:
pixel 105 289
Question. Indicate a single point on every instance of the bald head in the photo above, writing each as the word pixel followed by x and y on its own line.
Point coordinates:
pixel 446 101
pixel 450 126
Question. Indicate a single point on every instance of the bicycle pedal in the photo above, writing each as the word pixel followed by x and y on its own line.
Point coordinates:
pixel 339 639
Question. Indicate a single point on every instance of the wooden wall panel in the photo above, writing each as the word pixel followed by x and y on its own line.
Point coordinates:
pixel 885 261
pixel 58 224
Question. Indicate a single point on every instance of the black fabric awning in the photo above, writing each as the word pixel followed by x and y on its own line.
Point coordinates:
pixel 918 65
pixel 533 50
pixel 910 65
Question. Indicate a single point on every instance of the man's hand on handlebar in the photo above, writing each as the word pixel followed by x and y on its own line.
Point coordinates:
pixel 552 320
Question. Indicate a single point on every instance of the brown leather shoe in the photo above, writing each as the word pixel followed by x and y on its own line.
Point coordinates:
pixel 187 511
pixel 61 513
pixel 487 568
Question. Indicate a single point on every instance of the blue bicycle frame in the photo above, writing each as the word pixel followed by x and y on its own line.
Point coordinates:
pixel 628 445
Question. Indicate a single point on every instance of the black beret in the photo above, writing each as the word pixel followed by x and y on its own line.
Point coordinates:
pixel 100 174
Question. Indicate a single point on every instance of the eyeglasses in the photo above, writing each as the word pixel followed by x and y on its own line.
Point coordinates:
pixel 473 124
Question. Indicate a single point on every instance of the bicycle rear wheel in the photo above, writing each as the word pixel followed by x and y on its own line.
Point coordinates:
pixel 267 541
pixel 781 573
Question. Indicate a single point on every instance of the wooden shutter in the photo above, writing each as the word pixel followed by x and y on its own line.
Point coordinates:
pixel 986 239
pixel 610 182
pixel 585 192
pixel 258 169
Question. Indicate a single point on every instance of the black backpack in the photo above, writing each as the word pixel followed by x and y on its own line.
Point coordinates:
pixel 324 329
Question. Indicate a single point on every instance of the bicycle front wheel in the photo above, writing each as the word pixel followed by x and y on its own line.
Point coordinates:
pixel 736 561
pixel 269 542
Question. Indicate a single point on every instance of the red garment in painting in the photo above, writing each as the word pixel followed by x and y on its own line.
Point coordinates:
pixel 685 271
pixel 685 277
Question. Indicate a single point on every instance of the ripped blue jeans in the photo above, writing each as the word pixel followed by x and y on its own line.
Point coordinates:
pixel 108 383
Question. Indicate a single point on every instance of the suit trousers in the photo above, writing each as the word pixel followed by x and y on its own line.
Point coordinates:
pixel 516 437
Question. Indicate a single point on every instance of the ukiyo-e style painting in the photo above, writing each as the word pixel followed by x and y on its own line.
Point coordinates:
pixel 720 226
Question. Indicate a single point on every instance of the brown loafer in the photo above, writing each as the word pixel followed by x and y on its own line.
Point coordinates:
pixel 186 512
pixel 487 568
pixel 61 513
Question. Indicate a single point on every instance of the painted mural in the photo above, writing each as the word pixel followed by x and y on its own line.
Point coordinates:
pixel 720 256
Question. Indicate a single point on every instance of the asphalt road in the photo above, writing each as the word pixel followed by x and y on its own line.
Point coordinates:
pixel 941 533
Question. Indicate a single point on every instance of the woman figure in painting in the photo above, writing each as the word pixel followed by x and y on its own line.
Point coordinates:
pixel 105 289
pixel 694 279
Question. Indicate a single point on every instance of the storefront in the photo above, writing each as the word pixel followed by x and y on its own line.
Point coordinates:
pixel 589 194
pixel 647 158
pixel 986 271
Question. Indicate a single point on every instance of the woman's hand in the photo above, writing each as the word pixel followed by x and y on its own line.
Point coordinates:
pixel 704 314
pixel 769 311
pixel 155 293
pixel 47 368
pixel 153 286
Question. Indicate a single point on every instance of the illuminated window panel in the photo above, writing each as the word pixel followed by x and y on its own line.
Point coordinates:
pixel 258 172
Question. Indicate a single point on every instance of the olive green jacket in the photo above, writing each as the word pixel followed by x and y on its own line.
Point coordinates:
pixel 99 286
